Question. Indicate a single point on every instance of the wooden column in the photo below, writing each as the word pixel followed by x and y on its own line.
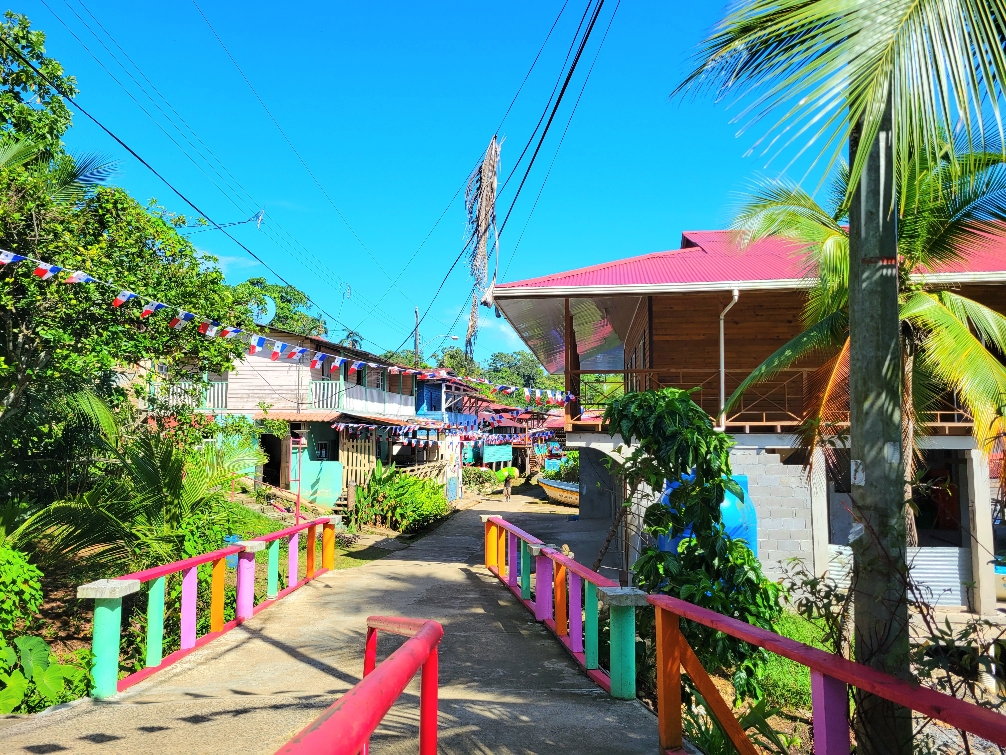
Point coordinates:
pixel 571 364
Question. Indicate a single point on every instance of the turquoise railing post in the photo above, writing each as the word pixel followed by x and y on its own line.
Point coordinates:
pixel 190 584
pixel 542 582
pixel 622 602
pixel 246 577
pixel 525 572
pixel 155 623
pixel 107 595
pixel 272 583
pixel 590 630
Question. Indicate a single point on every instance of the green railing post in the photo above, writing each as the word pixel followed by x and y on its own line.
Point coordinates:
pixel 107 595
pixel 155 623
pixel 272 585
pixel 622 602
pixel 525 572
pixel 590 629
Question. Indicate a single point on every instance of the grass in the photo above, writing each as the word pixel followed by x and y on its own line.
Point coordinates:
pixel 787 683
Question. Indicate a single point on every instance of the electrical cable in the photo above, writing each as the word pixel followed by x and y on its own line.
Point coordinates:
pixel 562 92
pixel 153 170
pixel 384 319
pixel 294 149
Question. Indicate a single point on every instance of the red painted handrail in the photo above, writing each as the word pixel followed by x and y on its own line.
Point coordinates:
pixel 292 530
pixel 526 537
pixel 345 728
pixel 176 566
pixel 579 569
pixel 958 713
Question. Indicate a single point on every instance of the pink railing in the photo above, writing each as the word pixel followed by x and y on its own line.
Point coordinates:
pixel 565 592
pixel 108 594
pixel 346 727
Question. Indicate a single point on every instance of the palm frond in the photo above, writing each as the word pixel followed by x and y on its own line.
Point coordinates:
pixel 826 410
pixel 959 360
pixel 828 65
pixel 831 332
pixel 480 207
pixel 70 179
pixel 18 151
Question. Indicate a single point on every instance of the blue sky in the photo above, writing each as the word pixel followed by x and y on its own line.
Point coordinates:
pixel 391 105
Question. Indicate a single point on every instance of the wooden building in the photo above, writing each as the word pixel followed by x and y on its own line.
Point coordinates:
pixel 654 321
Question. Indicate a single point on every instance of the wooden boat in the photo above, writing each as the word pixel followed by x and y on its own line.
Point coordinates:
pixel 567 493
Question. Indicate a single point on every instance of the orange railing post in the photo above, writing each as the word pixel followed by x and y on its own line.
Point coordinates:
pixel 312 537
pixel 668 680
pixel 561 613
pixel 217 595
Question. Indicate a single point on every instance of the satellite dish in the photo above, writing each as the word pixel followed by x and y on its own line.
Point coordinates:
pixel 264 315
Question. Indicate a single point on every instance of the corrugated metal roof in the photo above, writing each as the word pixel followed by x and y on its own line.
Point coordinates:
pixel 712 256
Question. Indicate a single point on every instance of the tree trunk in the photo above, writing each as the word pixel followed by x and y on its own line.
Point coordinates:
pixel 879 571
pixel 908 442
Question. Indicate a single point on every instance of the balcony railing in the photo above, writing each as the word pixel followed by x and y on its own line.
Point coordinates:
pixel 212 395
pixel 334 394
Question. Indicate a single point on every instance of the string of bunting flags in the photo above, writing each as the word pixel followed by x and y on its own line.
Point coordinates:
pixel 363 430
pixel 277 350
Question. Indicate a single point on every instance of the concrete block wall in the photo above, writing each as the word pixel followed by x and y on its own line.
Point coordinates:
pixel 781 496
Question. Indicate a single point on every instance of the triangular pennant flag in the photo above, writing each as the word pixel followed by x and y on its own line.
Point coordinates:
pixel 229 331
pixel 277 350
pixel 182 319
pixel 527 394
pixel 208 328
pixel 123 297
pixel 255 344
pixel 150 307
pixel 45 271
pixel 318 359
pixel 295 353
pixel 80 277
pixel 9 258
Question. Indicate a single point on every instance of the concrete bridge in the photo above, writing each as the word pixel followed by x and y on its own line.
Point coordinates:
pixel 506 685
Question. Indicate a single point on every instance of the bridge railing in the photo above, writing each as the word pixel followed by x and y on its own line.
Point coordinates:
pixel 830 677
pixel 566 600
pixel 345 728
pixel 108 594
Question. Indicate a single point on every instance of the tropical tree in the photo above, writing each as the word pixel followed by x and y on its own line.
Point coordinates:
pixel 352 339
pixel 889 78
pixel 950 343
pixel 293 307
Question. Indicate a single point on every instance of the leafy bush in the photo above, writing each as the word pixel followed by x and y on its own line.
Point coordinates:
pixel 568 471
pixel 33 678
pixel 674 440
pixel 479 479
pixel 20 589
pixel 787 683
pixel 704 732
pixel 397 500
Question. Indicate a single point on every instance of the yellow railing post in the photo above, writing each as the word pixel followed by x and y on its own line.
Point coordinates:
pixel 328 546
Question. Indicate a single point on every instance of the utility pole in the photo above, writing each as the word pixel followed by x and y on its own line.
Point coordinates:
pixel 417 338
pixel 880 573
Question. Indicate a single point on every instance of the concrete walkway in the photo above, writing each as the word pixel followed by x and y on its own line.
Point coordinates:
pixel 506 685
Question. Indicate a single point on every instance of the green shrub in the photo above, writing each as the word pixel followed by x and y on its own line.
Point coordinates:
pixel 568 471
pixel 33 678
pixel 20 589
pixel 479 479
pixel 397 500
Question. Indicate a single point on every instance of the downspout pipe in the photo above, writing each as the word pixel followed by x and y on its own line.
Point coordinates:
pixel 723 367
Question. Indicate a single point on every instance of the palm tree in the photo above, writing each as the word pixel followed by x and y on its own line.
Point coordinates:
pixel 949 342
pixel 889 78
pixel 352 339
pixel 68 178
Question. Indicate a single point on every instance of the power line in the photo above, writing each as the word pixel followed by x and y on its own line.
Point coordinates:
pixel 153 170
pixel 558 101
pixel 308 265
pixel 294 149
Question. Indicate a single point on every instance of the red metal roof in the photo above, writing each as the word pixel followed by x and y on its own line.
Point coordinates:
pixel 712 257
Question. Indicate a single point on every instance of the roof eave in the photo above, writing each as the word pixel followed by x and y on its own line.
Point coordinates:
pixel 650 289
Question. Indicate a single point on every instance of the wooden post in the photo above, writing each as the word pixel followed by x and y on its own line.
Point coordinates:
pixel 312 536
pixel 190 583
pixel 525 572
pixel 542 583
pixel 217 594
pixel 107 595
pixel 622 602
pixel 559 589
pixel 292 556
pixel 575 613
pixel 491 557
pixel 155 623
pixel 830 699
pixel 246 578
pixel 669 680
pixel 272 575
pixel 428 705
pixel 501 566
pixel 591 629
pixel 513 557
pixel 328 546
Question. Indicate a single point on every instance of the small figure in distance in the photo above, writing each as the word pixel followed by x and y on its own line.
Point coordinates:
pixel 507 484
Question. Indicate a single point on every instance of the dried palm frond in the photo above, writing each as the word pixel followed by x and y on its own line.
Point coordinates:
pixel 473 327
pixel 480 206
pixel 826 413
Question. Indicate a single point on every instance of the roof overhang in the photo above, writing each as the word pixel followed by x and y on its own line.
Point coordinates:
pixel 569 292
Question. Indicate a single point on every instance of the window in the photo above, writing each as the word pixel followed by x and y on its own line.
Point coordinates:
pixel 321 447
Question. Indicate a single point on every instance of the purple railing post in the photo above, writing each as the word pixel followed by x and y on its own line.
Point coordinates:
pixel 513 558
pixel 190 583
pixel 542 582
pixel 575 613
pixel 830 698
pixel 246 578
pixel 292 567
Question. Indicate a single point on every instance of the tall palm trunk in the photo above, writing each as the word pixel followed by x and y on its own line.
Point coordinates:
pixel 908 440
pixel 881 609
